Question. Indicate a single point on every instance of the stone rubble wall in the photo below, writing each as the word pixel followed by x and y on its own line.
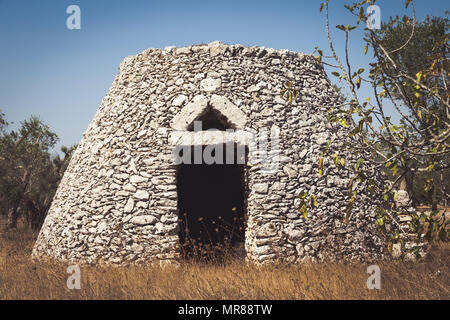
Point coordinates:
pixel 117 202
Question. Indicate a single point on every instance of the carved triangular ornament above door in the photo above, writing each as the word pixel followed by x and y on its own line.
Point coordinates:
pixel 218 112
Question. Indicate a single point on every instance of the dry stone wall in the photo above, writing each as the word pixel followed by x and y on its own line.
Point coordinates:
pixel 117 202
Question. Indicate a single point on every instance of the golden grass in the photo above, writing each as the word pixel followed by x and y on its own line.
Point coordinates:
pixel 20 278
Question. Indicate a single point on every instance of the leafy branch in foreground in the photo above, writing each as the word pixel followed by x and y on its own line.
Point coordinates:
pixel 404 130
pixel 409 77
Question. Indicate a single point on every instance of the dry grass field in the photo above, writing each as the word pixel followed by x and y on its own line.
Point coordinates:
pixel 20 278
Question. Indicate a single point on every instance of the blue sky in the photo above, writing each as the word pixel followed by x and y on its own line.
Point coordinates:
pixel 62 75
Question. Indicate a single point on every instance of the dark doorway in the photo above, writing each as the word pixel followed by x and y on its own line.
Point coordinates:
pixel 212 209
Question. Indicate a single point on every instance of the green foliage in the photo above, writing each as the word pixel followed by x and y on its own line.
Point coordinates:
pixel 307 202
pixel 423 59
pixel 433 226
pixel 424 62
pixel 408 75
pixel 289 92
pixel 29 175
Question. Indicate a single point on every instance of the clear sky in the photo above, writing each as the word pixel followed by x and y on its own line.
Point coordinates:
pixel 62 75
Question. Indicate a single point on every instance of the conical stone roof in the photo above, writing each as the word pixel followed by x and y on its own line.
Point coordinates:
pixel 118 200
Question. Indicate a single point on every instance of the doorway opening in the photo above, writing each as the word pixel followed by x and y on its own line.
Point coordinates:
pixel 212 208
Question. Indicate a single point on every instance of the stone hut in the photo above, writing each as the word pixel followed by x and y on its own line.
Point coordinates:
pixel 192 141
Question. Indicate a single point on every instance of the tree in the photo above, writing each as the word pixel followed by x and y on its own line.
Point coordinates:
pixel 418 94
pixel 48 174
pixel 28 174
pixel 424 44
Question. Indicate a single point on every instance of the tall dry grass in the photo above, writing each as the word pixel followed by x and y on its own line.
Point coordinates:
pixel 20 278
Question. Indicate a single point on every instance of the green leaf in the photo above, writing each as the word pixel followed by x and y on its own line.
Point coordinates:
pixel 394 170
pixel 418 76
pixel 304 210
pixel 343 123
pixel 395 128
pixel 358 82
pixel 303 194
pixel 335 159
pixel 313 202
pixel 358 164
pixel 419 114
pixel 380 222
pixel 321 6
pixel 327 146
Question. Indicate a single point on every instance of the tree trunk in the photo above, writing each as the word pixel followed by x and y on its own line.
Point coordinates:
pixel 409 179
pixel 434 206
pixel 13 215
pixel 443 191
pixel 435 200
pixel 36 215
